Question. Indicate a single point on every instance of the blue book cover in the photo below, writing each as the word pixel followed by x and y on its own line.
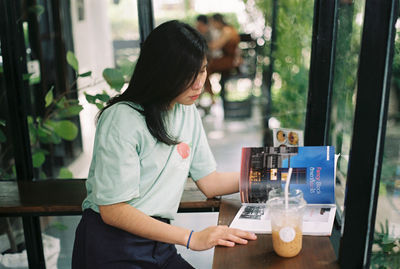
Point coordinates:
pixel 266 168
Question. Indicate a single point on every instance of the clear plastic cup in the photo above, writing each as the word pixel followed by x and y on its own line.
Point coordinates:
pixel 286 223
pixel 279 192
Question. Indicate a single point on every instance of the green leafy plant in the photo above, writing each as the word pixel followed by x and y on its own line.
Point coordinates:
pixel 56 125
pixel 115 78
pixel 386 249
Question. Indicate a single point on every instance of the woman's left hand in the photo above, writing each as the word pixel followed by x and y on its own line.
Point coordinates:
pixel 219 235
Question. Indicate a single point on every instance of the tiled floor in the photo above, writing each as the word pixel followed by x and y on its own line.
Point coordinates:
pixel 226 138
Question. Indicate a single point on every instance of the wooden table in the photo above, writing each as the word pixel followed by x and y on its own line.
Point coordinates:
pixel 64 197
pixel 317 251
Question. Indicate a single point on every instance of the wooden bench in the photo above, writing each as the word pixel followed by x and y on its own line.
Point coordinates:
pixel 64 197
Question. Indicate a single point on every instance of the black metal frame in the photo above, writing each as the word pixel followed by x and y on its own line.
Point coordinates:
pixel 267 76
pixel 321 82
pixel 11 40
pixel 321 73
pixel 13 50
pixel 374 74
pixel 146 18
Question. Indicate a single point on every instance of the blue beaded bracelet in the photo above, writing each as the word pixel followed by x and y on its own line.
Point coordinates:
pixel 188 242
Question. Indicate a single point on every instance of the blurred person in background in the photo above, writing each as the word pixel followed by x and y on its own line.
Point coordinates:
pixel 209 33
pixel 203 27
pixel 228 43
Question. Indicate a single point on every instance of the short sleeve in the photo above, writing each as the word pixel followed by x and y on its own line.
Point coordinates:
pixel 203 162
pixel 116 170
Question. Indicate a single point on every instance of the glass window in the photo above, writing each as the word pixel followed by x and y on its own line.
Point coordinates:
pixel 123 19
pixel 385 252
pixel 350 21
pixel 292 54
pixel 165 10
pixel 74 67
pixel 51 98
pixel 12 242
pixel 11 232
pixel 66 85
pixel 58 235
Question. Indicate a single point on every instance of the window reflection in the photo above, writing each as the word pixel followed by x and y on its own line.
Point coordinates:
pixel 385 252
pixel 291 65
pixel 350 21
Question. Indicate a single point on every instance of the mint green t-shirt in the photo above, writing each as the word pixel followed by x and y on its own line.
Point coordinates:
pixel 130 165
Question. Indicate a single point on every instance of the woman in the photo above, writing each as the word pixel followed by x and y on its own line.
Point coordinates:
pixel 148 141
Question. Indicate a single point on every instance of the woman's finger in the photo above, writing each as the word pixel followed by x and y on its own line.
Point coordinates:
pixel 226 243
pixel 236 239
pixel 244 234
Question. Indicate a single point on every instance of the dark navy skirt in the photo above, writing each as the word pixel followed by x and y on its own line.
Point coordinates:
pixel 98 245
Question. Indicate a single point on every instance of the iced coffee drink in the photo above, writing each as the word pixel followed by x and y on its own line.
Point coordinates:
pixel 286 222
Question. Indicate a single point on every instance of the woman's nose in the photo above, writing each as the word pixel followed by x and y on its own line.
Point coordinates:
pixel 197 85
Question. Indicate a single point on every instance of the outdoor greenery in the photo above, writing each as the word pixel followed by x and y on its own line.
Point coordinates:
pixel 391 160
pixel 345 79
pixel 291 58
pixel 386 247
pixel 387 253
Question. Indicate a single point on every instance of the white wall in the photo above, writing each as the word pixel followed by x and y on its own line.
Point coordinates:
pixel 92 36
pixel 94 51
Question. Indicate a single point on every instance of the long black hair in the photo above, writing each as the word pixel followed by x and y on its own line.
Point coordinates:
pixel 170 60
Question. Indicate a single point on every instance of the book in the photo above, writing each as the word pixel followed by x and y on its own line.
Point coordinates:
pixel 266 168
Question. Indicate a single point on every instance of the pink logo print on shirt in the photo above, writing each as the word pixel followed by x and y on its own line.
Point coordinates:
pixel 183 150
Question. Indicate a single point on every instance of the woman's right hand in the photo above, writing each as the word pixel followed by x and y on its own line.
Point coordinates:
pixel 219 235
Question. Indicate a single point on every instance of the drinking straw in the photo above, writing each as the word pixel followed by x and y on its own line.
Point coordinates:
pixel 287 188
